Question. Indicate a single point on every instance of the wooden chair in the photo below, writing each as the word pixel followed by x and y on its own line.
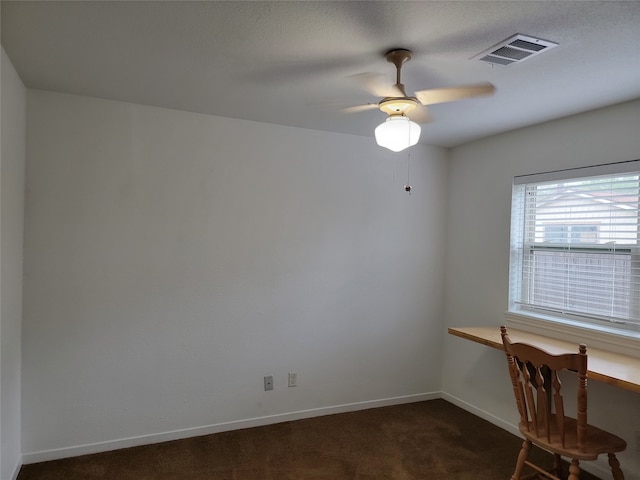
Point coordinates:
pixel 537 388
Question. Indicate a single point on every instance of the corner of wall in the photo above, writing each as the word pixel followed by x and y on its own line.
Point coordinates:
pixel 12 173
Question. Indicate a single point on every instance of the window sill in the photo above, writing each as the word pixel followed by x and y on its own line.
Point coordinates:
pixel 609 339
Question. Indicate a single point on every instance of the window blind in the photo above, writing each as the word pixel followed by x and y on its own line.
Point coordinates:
pixel 574 238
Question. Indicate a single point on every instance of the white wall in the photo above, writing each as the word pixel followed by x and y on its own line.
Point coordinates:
pixel 479 201
pixel 174 259
pixel 12 165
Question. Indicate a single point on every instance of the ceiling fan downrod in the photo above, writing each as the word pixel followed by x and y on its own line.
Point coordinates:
pixel 398 57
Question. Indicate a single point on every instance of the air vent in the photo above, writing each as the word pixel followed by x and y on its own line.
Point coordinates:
pixel 515 49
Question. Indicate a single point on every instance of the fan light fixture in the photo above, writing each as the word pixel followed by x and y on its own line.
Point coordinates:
pixel 397 133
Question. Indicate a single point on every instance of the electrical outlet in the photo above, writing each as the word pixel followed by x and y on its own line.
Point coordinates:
pixel 268 383
pixel 293 379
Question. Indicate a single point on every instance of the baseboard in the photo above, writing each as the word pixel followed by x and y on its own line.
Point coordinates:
pixel 16 469
pixel 489 417
pixel 59 453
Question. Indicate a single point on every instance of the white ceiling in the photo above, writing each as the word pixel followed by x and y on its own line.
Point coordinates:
pixel 290 62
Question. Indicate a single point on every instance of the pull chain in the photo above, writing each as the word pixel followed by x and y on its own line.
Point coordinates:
pixel 408 187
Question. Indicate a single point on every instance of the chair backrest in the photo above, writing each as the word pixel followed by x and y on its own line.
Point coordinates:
pixel 537 388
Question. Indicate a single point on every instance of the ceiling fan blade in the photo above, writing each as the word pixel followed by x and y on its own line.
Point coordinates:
pixel 376 85
pixel 451 94
pixel 420 114
pixel 360 108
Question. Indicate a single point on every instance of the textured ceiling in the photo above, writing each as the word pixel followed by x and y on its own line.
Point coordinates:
pixel 291 63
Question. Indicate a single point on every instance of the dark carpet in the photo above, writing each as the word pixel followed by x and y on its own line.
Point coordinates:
pixel 432 440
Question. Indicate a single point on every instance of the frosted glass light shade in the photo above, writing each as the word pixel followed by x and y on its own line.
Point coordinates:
pixel 397 133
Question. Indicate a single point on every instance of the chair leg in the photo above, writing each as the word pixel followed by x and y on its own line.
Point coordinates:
pixel 574 470
pixel 522 457
pixel 557 465
pixel 615 467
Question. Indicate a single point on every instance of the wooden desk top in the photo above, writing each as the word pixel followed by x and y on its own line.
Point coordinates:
pixel 613 368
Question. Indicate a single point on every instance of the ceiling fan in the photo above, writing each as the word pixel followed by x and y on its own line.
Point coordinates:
pixel 400 129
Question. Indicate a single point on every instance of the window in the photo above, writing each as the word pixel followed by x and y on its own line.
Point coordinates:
pixel 556 233
pixel 575 245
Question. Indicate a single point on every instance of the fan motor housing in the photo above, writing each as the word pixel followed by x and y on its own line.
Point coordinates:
pixel 398 106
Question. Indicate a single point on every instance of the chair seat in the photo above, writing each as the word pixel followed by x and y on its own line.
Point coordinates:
pixel 598 441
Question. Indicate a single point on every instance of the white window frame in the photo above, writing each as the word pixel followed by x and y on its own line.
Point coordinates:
pixel 567 327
